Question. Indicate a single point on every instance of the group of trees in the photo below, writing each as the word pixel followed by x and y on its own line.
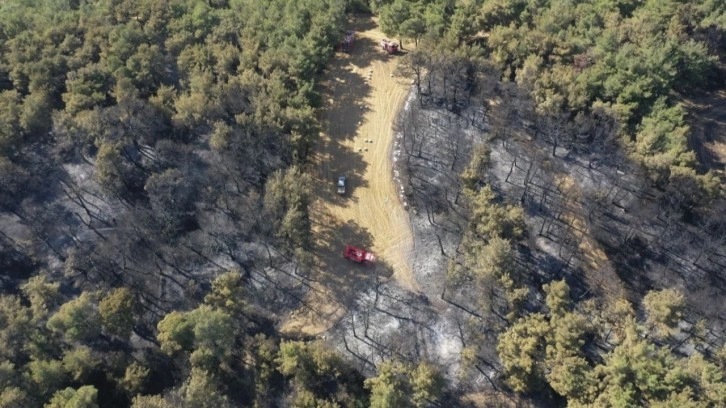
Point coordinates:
pixel 486 258
pixel 633 60
pixel 226 364
pixel 554 350
pixel 126 86
pixel 76 354
pixel 142 142
pixel 59 354
pixel 405 385
pixel 139 143
pixel 591 70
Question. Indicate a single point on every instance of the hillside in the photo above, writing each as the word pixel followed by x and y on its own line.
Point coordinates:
pixel 541 182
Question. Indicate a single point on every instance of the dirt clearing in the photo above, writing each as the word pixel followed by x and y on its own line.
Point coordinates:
pixel 361 99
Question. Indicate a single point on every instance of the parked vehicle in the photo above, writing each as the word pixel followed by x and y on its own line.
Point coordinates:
pixel 341 185
pixel 358 255
pixel 347 44
pixel 390 47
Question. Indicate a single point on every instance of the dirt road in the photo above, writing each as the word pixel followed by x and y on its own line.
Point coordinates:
pixel 361 99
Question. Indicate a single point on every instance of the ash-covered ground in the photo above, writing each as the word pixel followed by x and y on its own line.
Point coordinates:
pixel 432 148
pixel 592 218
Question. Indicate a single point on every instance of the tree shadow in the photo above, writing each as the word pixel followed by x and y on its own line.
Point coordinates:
pixel 382 269
pixel 345 86
pixel 343 277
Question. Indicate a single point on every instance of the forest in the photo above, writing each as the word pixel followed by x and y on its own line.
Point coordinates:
pixel 155 202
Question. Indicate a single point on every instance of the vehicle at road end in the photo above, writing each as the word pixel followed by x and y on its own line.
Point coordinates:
pixel 347 44
pixel 359 255
pixel 341 185
pixel 390 47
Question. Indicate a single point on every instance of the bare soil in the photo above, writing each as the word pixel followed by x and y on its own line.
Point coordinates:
pixel 361 99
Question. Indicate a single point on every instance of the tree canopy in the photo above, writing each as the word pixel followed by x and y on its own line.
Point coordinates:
pixel 153 180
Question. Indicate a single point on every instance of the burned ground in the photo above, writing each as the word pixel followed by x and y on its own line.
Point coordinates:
pixel 593 218
pixel 165 206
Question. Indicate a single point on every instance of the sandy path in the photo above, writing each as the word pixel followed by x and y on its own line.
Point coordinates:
pixel 361 99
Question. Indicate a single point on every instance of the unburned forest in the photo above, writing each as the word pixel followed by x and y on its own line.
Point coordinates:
pixel 542 183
